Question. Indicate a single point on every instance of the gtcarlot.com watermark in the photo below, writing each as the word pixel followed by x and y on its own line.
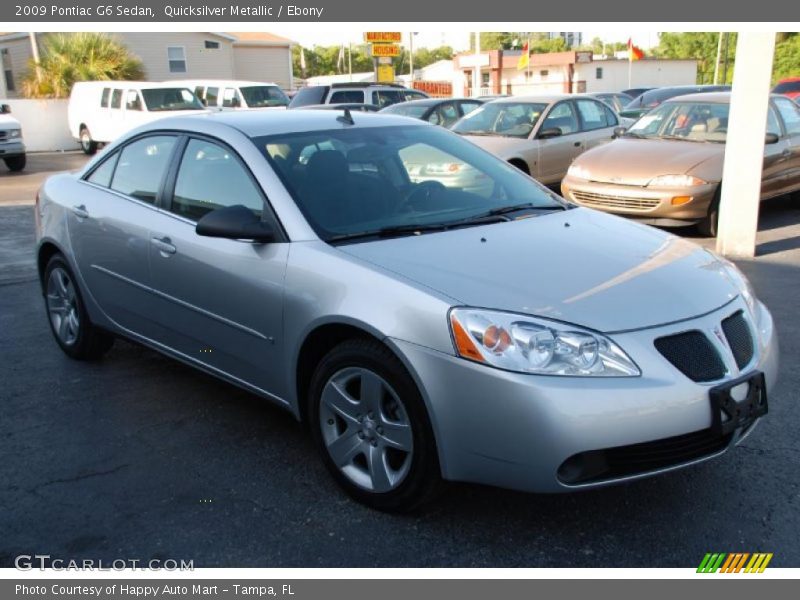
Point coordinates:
pixel 42 562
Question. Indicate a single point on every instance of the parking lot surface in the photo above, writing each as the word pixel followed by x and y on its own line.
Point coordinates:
pixel 140 457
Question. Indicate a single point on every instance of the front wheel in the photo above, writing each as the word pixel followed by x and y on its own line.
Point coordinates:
pixel 66 312
pixel 88 145
pixel 708 226
pixel 370 424
pixel 16 163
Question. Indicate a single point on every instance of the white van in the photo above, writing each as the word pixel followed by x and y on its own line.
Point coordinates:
pixel 12 148
pixel 231 94
pixel 101 111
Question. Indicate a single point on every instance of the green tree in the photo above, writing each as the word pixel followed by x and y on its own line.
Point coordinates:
pixel 70 57
pixel 701 46
pixel 787 56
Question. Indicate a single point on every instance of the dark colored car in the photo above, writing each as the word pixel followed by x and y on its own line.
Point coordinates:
pixel 439 111
pixel 636 92
pixel 353 106
pixel 789 87
pixel 649 100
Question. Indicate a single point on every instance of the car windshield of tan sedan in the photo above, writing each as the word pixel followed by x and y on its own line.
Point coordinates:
pixel 690 121
pixel 510 119
pixel 390 181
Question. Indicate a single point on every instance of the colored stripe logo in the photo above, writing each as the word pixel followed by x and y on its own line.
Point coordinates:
pixel 739 562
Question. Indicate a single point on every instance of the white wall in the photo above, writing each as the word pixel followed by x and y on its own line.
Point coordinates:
pixel 645 73
pixel 44 124
pixel 263 63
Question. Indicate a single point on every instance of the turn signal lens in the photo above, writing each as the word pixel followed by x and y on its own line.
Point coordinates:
pixel 464 344
pixel 680 200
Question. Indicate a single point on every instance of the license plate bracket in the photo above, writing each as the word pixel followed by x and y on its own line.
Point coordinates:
pixel 728 413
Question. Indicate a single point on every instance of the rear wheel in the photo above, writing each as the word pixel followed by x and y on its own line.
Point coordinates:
pixel 370 424
pixel 16 163
pixel 708 226
pixel 66 312
pixel 88 145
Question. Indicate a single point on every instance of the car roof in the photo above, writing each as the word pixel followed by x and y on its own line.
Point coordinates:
pixel 228 82
pixel 710 97
pixel 261 123
pixel 548 98
pixel 139 85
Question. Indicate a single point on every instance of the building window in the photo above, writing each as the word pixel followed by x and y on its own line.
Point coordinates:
pixel 177 59
pixel 544 73
pixel 212 45
pixel 7 71
pixel 598 73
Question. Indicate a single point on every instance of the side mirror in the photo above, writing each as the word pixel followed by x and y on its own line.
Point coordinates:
pixel 550 132
pixel 235 223
pixel 619 131
pixel 5 109
pixel 771 138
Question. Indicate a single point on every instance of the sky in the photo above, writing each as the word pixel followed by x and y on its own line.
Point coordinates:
pixel 429 36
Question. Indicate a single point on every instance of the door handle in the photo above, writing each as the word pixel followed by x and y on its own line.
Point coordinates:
pixel 164 245
pixel 786 153
pixel 80 211
pixel 577 144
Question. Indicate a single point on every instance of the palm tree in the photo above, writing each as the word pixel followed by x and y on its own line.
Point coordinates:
pixel 70 57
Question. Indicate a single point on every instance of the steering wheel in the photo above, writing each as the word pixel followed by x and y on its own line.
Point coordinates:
pixel 422 192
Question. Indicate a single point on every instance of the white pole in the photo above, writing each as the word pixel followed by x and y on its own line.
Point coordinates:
pixel 476 72
pixel 630 69
pixel 744 149
pixel 35 52
pixel 411 56
pixel 716 64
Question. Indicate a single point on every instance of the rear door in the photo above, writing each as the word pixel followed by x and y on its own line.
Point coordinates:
pixel 108 226
pixel 597 122
pixel 218 302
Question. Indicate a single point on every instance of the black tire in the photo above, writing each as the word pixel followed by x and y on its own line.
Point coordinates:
pixel 422 481
pixel 88 145
pixel 16 163
pixel 520 165
pixel 708 226
pixel 90 342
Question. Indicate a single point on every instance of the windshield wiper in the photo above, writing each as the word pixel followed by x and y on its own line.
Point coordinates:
pixel 633 134
pixel 387 232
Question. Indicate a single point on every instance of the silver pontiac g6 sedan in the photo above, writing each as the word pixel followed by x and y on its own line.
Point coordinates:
pixel 424 331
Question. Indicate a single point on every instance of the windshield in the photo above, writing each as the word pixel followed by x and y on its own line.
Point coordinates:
pixel 382 181
pixel 159 99
pixel 511 119
pixel 408 110
pixel 260 96
pixel 692 121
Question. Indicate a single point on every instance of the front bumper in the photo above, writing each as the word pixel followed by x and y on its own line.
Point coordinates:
pixel 651 205
pixel 12 149
pixel 515 430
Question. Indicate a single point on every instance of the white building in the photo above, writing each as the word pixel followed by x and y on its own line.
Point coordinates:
pixel 255 56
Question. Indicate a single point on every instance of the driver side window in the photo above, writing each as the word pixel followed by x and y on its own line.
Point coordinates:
pixel 563 117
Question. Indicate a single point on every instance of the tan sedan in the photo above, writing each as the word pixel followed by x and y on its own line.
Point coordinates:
pixel 541 135
pixel 667 168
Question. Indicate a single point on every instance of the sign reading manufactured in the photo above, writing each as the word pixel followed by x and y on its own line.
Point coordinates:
pixel 382 37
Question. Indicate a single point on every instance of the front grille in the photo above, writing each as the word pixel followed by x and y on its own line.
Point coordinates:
pixel 693 354
pixel 3 135
pixel 610 201
pixel 739 337
pixel 626 461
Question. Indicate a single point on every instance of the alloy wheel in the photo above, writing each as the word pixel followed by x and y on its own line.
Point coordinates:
pixel 62 306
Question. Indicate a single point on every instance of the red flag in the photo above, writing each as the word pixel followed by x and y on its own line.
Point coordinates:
pixel 634 52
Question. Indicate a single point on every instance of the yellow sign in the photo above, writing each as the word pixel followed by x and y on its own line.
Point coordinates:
pixel 385 74
pixel 382 37
pixel 385 50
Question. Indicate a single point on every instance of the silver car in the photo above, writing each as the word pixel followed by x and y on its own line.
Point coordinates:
pixel 423 332
pixel 541 135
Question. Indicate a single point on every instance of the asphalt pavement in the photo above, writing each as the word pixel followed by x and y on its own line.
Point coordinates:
pixel 141 457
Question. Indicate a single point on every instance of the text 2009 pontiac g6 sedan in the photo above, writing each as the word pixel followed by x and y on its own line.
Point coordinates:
pixel 424 332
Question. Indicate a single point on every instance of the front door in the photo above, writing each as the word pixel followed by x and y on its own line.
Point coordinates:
pixel 219 301
pixel 557 153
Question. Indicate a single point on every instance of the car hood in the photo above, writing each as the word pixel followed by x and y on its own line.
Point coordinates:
pixel 581 266
pixel 630 161
pixel 8 121
pixel 502 146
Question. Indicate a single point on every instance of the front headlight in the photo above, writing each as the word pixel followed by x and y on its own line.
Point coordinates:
pixel 578 171
pixel 676 181
pixel 742 283
pixel 14 134
pixel 534 345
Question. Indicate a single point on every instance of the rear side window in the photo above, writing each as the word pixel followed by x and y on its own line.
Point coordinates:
pixel 141 167
pixel 790 114
pixel 102 174
pixel 389 97
pixel 104 97
pixel 116 99
pixel 593 114
pixel 133 101
pixel 231 98
pixel 212 94
pixel 211 177
pixel 309 96
pixel 468 107
pixel 347 97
